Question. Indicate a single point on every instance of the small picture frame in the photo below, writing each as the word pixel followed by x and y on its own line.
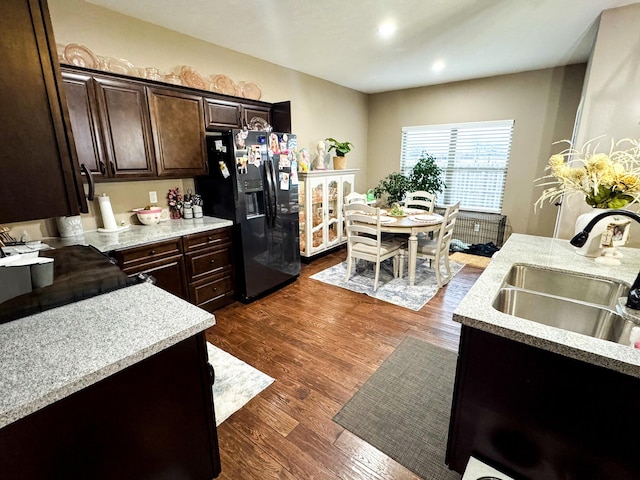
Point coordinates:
pixel 615 234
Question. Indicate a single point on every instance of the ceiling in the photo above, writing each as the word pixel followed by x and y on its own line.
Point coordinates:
pixel 337 40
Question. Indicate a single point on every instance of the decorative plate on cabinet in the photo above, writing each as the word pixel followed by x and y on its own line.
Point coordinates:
pixel 119 65
pixel 224 84
pixel 250 90
pixel 191 78
pixel 80 56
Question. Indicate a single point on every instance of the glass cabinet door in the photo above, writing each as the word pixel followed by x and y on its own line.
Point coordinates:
pixel 334 206
pixel 317 209
pixel 347 186
pixel 302 200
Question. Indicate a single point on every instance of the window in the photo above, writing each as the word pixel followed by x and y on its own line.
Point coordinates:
pixel 473 157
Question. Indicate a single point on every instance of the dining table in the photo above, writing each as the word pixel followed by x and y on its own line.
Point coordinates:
pixel 412 222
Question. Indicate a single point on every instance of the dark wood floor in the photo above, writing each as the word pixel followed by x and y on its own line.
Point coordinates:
pixel 320 343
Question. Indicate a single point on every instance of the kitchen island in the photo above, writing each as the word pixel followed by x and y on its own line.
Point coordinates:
pixel 114 386
pixel 538 401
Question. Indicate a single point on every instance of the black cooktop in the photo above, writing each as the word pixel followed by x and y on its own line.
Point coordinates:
pixel 79 272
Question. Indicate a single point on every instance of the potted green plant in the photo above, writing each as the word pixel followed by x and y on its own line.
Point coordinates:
pixel 393 186
pixel 426 175
pixel 341 148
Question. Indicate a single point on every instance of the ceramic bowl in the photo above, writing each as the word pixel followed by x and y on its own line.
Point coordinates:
pixel 149 217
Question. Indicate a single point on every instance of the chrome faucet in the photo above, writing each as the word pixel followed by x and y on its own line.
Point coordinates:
pixel 633 299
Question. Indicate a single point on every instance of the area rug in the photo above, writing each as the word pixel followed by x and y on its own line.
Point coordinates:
pixel 403 408
pixel 392 290
pixel 236 382
pixel 472 260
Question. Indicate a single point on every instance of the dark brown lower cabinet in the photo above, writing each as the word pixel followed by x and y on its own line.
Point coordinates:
pixel 162 260
pixel 209 267
pixel 535 414
pixel 196 267
pixel 153 420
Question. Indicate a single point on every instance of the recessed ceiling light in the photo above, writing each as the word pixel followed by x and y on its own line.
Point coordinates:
pixel 387 29
pixel 438 65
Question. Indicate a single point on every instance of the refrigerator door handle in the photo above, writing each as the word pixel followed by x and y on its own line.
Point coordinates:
pixel 274 198
pixel 268 191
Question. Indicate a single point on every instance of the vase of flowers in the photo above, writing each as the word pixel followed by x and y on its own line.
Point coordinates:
pixel 174 200
pixel 606 180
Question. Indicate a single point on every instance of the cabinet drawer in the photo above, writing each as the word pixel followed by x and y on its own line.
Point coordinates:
pixel 197 241
pixel 168 273
pixel 208 263
pixel 146 253
pixel 212 295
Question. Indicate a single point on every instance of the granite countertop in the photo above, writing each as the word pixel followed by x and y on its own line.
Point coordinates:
pixel 140 234
pixel 476 308
pixel 50 355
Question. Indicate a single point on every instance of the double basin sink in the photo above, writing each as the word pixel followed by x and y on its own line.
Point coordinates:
pixel 567 300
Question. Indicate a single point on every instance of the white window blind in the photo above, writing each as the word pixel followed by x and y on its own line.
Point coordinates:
pixel 474 158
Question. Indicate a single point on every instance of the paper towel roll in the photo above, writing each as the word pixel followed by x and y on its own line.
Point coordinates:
pixel 108 219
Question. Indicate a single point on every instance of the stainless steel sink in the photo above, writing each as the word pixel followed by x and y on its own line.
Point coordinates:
pixel 572 315
pixel 577 286
pixel 567 300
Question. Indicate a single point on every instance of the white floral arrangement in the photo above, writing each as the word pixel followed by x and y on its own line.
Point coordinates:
pixel 607 180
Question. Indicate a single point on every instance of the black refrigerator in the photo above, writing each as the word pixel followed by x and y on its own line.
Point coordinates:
pixel 252 180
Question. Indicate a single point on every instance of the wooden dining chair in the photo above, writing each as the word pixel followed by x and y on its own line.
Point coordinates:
pixel 355 197
pixel 438 249
pixel 364 240
pixel 420 199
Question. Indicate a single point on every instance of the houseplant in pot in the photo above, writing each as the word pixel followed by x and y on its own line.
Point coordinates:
pixel 426 175
pixel 341 148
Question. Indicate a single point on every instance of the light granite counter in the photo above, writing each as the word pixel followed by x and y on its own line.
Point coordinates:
pixel 140 234
pixel 476 308
pixel 51 355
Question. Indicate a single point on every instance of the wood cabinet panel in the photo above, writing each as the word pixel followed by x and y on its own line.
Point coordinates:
pixel 81 101
pixel 214 294
pixel 210 273
pixel 148 421
pixel 37 147
pixel 221 114
pixel 251 111
pixel 162 260
pixel 532 412
pixel 124 120
pixel 198 241
pixel 207 263
pixel 178 132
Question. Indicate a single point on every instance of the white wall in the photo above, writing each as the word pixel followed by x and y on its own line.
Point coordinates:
pixel 611 96
pixel 320 109
pixel 543 104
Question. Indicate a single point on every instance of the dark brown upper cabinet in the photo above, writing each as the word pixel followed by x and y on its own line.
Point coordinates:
pixel 178 132
pixel 126 128
pixel 83 112
pixel 38 164
pixel 220 114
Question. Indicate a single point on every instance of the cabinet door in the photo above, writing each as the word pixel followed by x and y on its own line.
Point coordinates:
pixel 81 101
pixel 303 216
pixel 221 114
pixel 333 215
pixel 251 111
pixel 38 165
pixel 347 183
pixel 162 260
pixel 124 120
pixel 178 132
pixel 317 212
pixel 281 117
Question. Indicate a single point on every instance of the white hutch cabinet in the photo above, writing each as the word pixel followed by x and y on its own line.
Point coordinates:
pixel 321 194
